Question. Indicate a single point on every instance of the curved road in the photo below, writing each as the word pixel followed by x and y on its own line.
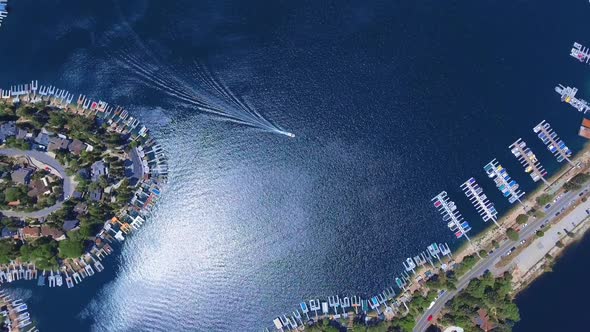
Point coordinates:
pixel 58 170
pixel 488 262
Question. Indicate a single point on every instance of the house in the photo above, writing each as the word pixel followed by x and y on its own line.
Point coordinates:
pixel 7 129
pixel 58 143
pixel 97 170
pixel 8 233
pixel 42 139
pixel 22 134
pixel 38 188
pixel 96 195
pixel 76 147
pixel 77 195
pixel 31 232
pixel 81 208
pixel 54 233
pixel 71 225
pixel 22 175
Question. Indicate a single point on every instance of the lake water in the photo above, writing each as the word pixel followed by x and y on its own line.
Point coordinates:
pixel 391 102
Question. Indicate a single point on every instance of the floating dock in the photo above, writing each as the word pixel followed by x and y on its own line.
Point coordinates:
pixel 480 201
pixel 451 215
pixel 552 141
pixel 507 186
pixel 580 52
pixel 528 160
pixel 568 95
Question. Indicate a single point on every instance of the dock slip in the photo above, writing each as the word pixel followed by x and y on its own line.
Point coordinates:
pixel 3 10
pixel 507 186
pixel 580 52
pixel 448 210
pixel 528 160
pixel 480 201
pixel 552 141
pixel 568 95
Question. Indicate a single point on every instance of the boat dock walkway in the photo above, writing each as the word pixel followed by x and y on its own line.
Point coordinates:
pixel 451 215
pixel 507 186
pixel 528 160
pixel 552 141
pixel 568 95
pixel 580 52
pixel 480 201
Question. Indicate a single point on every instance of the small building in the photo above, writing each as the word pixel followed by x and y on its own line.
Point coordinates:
pixel 71 225
pixel 96 195
pixel 31 232
pixel 42 139
pixel 23 134
pixel 54 233
pixel 22 175
pixel 58 143
pixel 8 233
pixel 98 169
pixel 77 195
pixel 81 208
pixel 7 129
pixel 39 188
pixel 76 147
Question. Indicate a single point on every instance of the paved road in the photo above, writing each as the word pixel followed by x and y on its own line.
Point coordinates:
pixel 44 158
pixel 488 262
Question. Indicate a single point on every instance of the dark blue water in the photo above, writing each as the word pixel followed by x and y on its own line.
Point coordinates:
pixel 391 103
pixel 566 285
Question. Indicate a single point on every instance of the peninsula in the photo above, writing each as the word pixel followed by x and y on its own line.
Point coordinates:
pixel 74 177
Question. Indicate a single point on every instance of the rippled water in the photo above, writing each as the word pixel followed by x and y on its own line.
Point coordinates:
pixel 390 102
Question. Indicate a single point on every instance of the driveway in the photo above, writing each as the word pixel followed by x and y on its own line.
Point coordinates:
pixel 56 168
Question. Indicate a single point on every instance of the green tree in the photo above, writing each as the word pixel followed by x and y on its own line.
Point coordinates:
pixel 544 199
pixel 539 233
pixel 71 248
pixel 522 218
pixel 512 234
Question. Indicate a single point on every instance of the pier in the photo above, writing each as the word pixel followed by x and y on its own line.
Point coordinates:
pixel 568 95
pixel 507 186
pixel 552 141
pixel 480 201
pixel 451 215
pixel 528 160
pixel 580 52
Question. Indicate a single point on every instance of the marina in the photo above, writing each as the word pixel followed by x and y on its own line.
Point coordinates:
pixel 568 95
pixel 507 186
pixel 480 201
pixel 554 144
pixel 528 160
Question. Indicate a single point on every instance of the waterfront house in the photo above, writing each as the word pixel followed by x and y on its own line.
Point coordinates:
pixel 58 143
pixel 7 129
pixel 98 169
pixel 76 147
pixel 54 233
pixel 71 225
pixel 22 175
pixel 31 232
